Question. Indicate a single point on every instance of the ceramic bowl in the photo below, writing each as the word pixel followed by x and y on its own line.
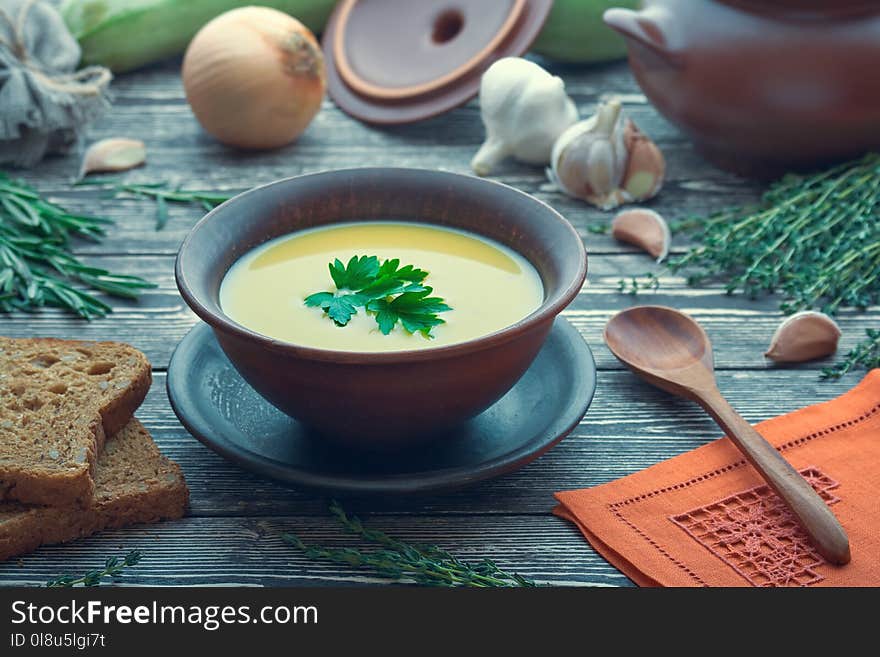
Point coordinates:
pixel 394 399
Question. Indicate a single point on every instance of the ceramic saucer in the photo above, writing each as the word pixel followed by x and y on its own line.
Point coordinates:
pixel 220 409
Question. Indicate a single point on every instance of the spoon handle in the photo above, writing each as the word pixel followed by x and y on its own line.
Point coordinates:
pixel 816 517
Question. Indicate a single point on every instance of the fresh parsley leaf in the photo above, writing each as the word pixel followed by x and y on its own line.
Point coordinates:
pixel 386 287
pixel 415 310
pixel 358 273
pixel 386 318
pixel 392 268
pixel 390 292
pixel 340 308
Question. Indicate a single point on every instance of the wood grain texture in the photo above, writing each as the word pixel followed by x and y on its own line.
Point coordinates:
pixel 231 536
pixel 250 552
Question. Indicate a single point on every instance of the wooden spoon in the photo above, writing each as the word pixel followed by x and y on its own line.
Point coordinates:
pixel 670 350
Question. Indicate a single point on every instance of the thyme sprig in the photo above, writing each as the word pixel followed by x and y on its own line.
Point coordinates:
pixel 37 267
pixel 866 354
pixel 113 567
pixel 815 239
pixel 397 560
pixel 162 193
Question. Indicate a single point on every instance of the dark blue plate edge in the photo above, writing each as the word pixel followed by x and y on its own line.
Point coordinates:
pixel 418 483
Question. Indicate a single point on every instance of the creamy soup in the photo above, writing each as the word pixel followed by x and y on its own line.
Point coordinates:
pixel 487 285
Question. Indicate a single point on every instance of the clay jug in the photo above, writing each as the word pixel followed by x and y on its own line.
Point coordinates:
pixel 761 86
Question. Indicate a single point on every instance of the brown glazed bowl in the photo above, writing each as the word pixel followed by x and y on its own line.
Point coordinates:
pixel 394 399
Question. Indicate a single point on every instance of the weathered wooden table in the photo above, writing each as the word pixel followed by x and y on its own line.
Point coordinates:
pixel 231 535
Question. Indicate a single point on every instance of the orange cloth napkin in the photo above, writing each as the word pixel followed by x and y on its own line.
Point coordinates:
pixel 706 518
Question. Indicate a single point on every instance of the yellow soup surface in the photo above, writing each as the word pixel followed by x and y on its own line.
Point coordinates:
pixel 489 286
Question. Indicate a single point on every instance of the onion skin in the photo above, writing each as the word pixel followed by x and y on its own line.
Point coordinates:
pixel 254 78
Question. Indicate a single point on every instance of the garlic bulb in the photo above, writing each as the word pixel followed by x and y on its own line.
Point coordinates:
pixel 804 336
pixel 589 159
pixel 606 160
pixel 254 77
pixel 524 109
pixel 643 228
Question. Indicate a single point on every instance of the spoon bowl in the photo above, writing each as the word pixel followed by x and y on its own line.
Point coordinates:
pixel 672 351
pixel 658 338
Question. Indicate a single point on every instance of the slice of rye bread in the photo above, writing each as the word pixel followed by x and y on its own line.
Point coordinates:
pixel 134 483
pixel 58 401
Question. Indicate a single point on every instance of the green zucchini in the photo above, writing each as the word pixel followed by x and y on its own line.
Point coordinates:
pixel 574 32
pixel 126 34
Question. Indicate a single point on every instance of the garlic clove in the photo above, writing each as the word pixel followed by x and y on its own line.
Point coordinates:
pixel 115 154
pixel 806 335
pixel 589 159
pixel 643 228
pixel 646 167
pixel 524 109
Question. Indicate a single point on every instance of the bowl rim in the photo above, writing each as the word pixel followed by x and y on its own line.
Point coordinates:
pixel 546 311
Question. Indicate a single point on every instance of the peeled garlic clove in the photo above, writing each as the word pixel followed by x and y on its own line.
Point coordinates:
pixel 589 159
pixel 115 154
pixel 643 228
pixel 646 167
pixel 524 109
pixel 804 336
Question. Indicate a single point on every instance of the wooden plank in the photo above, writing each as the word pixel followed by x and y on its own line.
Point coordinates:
pixel 152 106
pixel 740 329
pixel 629 426
pixel 249 551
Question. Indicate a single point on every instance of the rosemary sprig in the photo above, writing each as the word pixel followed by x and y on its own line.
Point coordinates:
pixel 866 354
pixel 162 193
pixel 423 564
pixel 37 268
pixel 113 567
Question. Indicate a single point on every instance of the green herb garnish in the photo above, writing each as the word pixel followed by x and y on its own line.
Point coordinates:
pixel 390 293
pixel 37 267
pixel 397 560
pixel 113 567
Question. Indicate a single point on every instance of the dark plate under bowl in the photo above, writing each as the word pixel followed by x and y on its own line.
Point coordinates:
pixel 220 409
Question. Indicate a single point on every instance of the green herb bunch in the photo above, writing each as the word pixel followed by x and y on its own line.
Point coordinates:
pixel 815 239
pixel 113 567
pixel 390 293
pixel 37 267
pixel 423 564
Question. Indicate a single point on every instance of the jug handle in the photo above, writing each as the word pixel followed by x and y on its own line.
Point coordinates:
pixel 641 27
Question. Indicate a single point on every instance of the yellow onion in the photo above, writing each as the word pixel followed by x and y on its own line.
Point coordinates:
pixel 254 77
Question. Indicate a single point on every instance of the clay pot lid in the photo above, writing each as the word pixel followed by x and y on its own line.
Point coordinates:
pixel 398 61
